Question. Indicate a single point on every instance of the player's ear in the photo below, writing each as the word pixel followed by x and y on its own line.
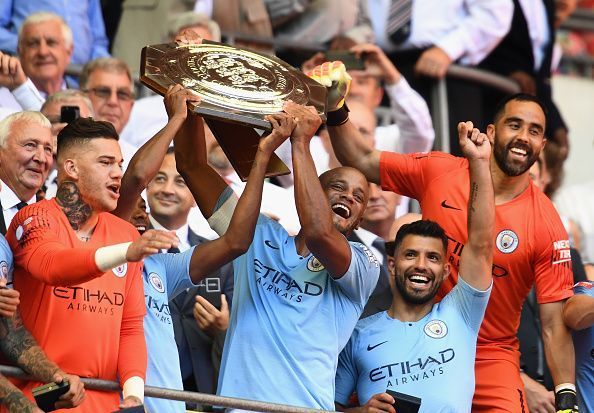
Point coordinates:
pixel 447 268
pixel 491 133
pixel 71 169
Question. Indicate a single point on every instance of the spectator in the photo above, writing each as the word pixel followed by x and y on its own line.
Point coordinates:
pixel 321 284
pixel 52 109
pixel 26 149
pixel 417 269
pixel 579 316
pixel 517 137
pixel 435 35
pixel 85 19
pixel 109 85
pixel 45 48
pixel 78 268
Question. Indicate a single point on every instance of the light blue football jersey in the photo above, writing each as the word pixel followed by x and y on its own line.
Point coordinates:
pixel 6 261
pixel 164 277
pixel 583 342
pixel 432 358
pixel 290 319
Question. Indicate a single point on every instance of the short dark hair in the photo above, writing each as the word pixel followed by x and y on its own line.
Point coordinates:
pixel 519 97
pixel 423 228
pixel 83 130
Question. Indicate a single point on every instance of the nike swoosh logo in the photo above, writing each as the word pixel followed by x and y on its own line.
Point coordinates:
pixel 370 347
pixel 269 245
pixel 444 205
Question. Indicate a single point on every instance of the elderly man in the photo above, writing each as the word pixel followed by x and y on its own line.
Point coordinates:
pixel 44 49
pixel 26 156
pixel 110 87
pixel 84 18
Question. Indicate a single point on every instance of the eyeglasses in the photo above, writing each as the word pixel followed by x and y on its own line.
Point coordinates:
pixel 104 93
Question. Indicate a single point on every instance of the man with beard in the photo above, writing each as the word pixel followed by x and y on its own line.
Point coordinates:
pixel 297 298
pixel 531 243
pixel 418 346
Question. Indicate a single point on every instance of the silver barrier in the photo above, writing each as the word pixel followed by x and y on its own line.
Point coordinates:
pixel 184 396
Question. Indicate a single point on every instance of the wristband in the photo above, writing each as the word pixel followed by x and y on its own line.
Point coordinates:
pixel 111 256
pixel 134 386
pixel 566 398
pixel 338 117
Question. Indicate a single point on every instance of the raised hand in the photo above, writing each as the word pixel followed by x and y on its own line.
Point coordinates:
pixel 11 72
pixel 334 76
pixel 307 119
pixel 282 127
pixel 151 242
pixel 376 62
pixel 176 101
pixel 473 143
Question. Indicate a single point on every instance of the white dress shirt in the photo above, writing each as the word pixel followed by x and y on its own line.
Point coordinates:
pixel 538 27
pixel 182 234
pixel 9 203
pixel 464 29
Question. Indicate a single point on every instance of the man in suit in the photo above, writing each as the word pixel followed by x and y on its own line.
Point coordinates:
pixel 199 337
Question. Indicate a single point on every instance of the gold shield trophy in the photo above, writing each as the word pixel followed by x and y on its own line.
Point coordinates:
pixel 238 88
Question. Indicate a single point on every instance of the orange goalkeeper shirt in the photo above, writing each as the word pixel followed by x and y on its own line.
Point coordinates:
pixel 87 321
pixel 531 243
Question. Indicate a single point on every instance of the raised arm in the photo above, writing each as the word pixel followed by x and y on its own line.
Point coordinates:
pixel 203 181
pixel 145 163
pixel 477 257
pixel 348 144
pixel 210 256
pixel 322 238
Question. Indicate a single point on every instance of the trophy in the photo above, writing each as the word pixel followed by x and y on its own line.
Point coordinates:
pixel 238 88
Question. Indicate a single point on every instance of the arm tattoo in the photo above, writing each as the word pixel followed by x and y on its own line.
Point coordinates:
pixel 19 346
pixel 69 198
pixel 12 398
pixel 473 195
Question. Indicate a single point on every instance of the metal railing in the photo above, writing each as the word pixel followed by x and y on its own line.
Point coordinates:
pixel 184 396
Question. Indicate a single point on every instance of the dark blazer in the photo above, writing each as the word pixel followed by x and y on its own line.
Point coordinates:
pixel 381 297
pixel 194 345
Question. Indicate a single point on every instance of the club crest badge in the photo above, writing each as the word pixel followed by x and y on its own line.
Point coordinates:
pixel 4 269
pixel 156 282
pixel 120 270
pixel 507 241
pixel 314 265
pixel 436 329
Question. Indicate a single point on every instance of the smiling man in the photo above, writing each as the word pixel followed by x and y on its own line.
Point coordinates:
pixel 44 49
pixel 418 346
pixel 297 298
pixel 26 156
pixel 531 244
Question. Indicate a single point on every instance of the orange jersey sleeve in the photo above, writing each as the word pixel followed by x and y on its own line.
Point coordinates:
pixel 552 266
pixel 34 237
pixel 409 174
pixel 132 359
